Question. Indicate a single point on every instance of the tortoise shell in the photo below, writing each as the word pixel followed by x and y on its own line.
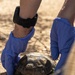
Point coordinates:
pixel 34 64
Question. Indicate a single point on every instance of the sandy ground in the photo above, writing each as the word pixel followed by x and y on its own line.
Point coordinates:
pixel 40 42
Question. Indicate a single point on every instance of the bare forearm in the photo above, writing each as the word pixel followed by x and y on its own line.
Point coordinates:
pixel 67 10
pixel 28 8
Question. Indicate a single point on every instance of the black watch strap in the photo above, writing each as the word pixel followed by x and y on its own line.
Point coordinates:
pixel 26 23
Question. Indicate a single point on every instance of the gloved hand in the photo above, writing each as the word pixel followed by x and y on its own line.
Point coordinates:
pixel 62 37
pixel 13 48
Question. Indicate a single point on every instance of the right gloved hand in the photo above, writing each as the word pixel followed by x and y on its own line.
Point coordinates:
pixel 13 48
pixel 62 38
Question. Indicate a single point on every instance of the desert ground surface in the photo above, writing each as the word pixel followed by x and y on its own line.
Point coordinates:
pixel 41 41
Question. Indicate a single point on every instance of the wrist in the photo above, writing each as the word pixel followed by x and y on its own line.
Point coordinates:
pixel 20 32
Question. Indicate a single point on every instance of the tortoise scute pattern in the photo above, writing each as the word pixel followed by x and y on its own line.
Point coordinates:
pixel 34 64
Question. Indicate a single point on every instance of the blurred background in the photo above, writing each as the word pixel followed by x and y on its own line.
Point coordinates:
pixel 41 41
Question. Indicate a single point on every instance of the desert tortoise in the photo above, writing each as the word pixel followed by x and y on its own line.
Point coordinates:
pixel 34 64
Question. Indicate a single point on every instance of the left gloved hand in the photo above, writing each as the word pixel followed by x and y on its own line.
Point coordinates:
pixel 62 37
pixel 13 48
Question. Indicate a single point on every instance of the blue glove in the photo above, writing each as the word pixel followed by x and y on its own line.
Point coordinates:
pixel 62 38
pixel 13 48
